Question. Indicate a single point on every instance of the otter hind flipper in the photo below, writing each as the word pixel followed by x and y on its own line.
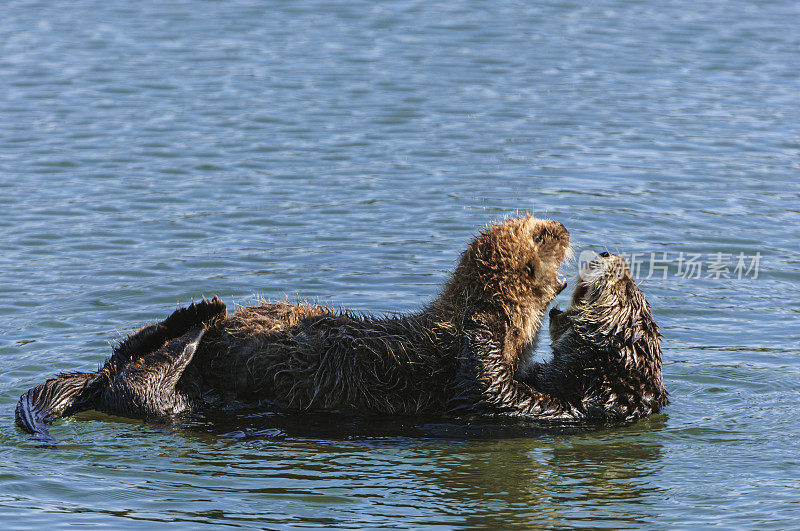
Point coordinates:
pixel 152 337
pixel 163 349
pixel 147 387
pixel 171 360
pixel 61 396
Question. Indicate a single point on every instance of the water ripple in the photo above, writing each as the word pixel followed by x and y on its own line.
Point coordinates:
pixel 151 153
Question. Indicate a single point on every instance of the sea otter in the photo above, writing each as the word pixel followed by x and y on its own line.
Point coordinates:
pixel 606 359
pixel 459 354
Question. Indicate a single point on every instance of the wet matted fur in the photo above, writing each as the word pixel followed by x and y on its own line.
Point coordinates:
pixel 606 360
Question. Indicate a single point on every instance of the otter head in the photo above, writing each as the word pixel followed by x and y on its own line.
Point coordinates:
pixel 608 337
pixel 517 261
pixel 512 268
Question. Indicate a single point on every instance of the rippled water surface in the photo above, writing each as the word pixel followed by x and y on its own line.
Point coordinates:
pixel 151 153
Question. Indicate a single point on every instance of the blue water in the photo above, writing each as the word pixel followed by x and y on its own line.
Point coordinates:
pixel 151 153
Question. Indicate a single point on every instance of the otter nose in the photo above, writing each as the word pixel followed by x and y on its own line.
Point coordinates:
pixel 605 254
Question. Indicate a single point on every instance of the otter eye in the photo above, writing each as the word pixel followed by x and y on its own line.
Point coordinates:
pixel 530 270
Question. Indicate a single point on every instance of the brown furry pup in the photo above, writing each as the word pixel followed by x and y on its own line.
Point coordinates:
pixel 606 348
pixel 435 361
pixel 459 355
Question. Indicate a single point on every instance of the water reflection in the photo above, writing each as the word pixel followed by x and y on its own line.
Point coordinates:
pixel 554 479
pixel 495 474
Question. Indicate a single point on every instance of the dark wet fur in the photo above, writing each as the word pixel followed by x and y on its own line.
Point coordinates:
pixel 311 358
pixel 606 360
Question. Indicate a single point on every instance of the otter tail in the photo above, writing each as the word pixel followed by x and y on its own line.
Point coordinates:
pixel 64 395
pixel 70 393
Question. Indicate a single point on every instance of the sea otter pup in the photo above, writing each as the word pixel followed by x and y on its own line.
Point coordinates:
pixel 460 354
pixel 606 348
pixel 311 358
